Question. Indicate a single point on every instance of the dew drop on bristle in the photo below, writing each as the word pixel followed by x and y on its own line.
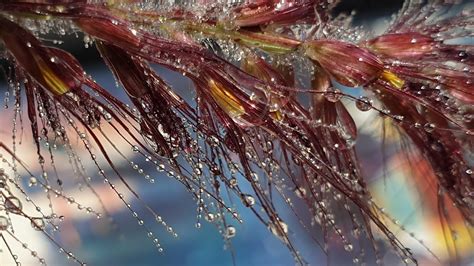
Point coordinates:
pixel 249 200
pixel 363 104
pixel 230 231
pixel 280 230
pixel 38 223
pixel 4 223
pixel 300 192
pixel 334 95
pixel 13 205
pixel 429 127
pixel 32 181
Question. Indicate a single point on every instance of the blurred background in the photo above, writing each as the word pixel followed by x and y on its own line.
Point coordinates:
pixel 126 243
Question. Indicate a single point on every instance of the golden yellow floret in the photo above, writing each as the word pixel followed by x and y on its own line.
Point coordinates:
pixel 393 79
pixel 53 82
pixel 226 100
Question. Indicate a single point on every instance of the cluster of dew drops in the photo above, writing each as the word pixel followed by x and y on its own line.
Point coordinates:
pixel 47 220
pixel 215 210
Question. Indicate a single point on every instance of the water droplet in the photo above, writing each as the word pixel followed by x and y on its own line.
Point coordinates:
pixel 279 229
pixel 348 247
pixel 33 181
pixel 253 96
pixel 13 204
pixel 364 104
pixel 230 231
pixel 160 167
pixel 197 171
pixel 429 127
pixel 210 217
pixel 254 176
pixel 3 223
pixel 37 223
pixel 333 95
pixel 249 201
pixel 108 117
pixel 300 192
pixel 233 182
pixel 462 55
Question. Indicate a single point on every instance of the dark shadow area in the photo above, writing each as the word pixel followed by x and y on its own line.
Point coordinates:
pixel 368 9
